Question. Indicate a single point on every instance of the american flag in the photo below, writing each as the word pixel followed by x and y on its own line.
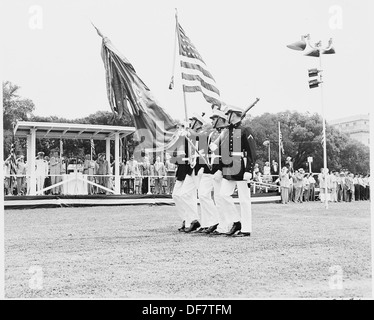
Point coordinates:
pixel 281 142
pixel 322 139
pixel 195 76
pixel 93 148
pixel 61 148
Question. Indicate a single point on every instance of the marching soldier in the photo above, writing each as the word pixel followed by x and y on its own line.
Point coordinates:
pixel 182 169
pixel 238 157
pixel 194 174
pixel 203 170
pixel 219 122
pixel 185 188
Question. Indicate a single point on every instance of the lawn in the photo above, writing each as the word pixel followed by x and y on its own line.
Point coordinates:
pixel 136 252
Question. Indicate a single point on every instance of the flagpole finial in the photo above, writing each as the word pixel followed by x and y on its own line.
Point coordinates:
pixel 97 30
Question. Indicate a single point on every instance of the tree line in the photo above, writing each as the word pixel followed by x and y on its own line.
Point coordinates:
pixel 301 133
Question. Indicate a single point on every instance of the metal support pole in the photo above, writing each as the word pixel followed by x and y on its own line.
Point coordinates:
pixel 31 162
pixel 324 136
pixel 117 180
pixel 107 150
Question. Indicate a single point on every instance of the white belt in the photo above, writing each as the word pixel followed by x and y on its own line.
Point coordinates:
pixel 237 154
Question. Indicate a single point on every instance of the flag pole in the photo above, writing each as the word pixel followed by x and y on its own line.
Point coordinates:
pixel 91 148
pixel 280 149
pixel 61 147
pixel 179 43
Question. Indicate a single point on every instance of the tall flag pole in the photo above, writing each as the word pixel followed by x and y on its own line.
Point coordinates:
pixel 195 75
pixel 179 45
pixel 281 148
pixel 92 148
pixel 61 147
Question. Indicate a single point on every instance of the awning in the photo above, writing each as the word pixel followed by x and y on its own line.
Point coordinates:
pixel 70 130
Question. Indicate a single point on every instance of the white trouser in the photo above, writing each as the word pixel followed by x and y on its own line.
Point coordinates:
pixel 176 195
pixel 186 196
pixel 228 205
pixel 209 214
pixel 40 182
pixel 224 225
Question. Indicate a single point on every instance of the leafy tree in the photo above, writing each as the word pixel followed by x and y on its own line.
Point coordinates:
pixel 14 107
pixel 302 138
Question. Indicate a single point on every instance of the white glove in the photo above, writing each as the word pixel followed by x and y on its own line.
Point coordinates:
pixel 218 175
pixel 200 172
pixel 247 176
pixel 213 146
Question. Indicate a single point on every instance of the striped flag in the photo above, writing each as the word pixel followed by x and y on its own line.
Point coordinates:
pixel 61 148
pixel 195 76
pixel 93 153
pixel 281 142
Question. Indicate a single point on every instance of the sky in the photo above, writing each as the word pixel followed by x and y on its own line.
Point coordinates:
pixel 52 51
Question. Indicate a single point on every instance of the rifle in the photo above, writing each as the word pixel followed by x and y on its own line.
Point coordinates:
pixel 249 108
pixel 223 132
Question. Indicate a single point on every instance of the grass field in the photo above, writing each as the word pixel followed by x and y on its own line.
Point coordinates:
pixel 136 252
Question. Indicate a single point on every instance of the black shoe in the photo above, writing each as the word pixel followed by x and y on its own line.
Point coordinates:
pixel 242 234
pixel 211 228
pixel 237 226
pixel 183 227
pixel 194 226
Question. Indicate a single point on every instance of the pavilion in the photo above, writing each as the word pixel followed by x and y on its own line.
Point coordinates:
pixel 33 130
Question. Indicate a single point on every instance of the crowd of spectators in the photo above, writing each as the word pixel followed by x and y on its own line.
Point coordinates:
pixel 158 177
pixel 137 177
pixel 298 186
pixel 341 186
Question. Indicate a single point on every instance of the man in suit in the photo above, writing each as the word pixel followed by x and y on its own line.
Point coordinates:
pixel 238 158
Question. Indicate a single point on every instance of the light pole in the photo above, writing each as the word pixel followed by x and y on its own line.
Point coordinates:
pixel 317 51
pixel 267 144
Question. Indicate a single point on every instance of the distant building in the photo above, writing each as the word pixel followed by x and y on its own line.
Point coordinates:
pixel 357 127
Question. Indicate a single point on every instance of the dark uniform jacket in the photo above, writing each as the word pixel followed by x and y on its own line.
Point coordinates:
pixel 183 166
pixel 203 146
pixel 238 152
pixel 215 157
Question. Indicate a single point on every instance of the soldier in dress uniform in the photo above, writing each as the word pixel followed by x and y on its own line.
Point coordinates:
pixel 203 171
pixel 185 188
pixel 194 174
pixel 219 122
pixel 238 157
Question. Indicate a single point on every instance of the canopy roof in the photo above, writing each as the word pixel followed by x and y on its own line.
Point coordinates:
pixel 70 130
